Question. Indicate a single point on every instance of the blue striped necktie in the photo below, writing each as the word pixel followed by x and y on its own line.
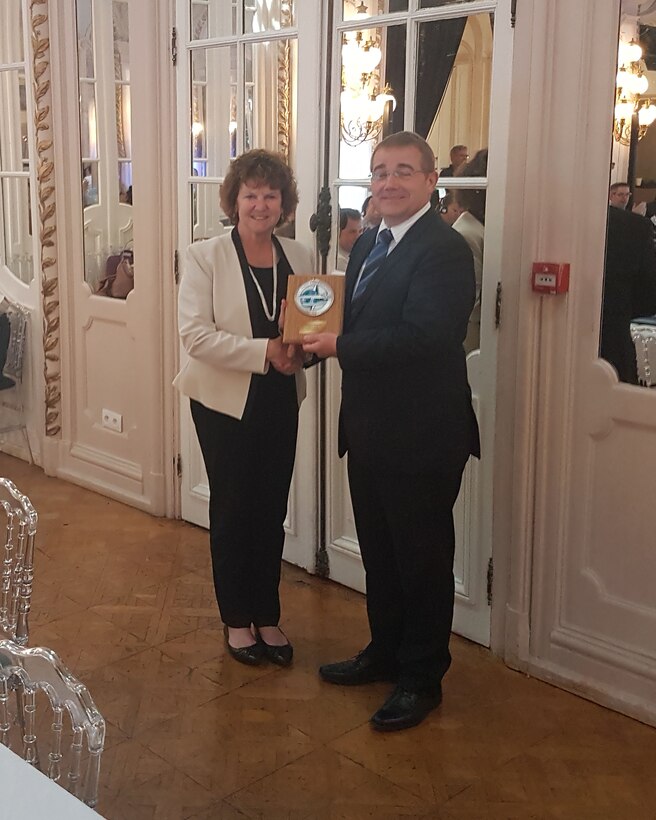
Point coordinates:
pixel 375 259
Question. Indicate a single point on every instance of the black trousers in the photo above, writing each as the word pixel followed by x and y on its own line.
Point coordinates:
pixel 405 530
pixel 249 464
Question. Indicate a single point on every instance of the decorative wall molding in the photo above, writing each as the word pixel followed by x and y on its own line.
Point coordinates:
pixel 284 85
pixel 45 172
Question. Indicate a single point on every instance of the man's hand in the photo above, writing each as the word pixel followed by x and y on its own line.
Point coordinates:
pixel 640 209
pixel 323 345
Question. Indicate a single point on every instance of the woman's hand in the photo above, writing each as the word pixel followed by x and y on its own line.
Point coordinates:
pixel 286 359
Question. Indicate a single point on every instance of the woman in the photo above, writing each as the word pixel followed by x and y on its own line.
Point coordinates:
pixel 245 387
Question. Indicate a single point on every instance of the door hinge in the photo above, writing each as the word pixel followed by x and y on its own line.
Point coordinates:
pixel 321 221
pixel 513 13
pixel 178 465
pixel 490 578
pixel 176 267
pixel 174 45
pixel 497 306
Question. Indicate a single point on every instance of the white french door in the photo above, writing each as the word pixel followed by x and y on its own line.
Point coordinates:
pixel 320 517
pixel 459 110
pixel 240 64
pixel 593 575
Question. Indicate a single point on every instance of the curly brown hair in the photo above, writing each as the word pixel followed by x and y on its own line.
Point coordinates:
pixel 261 168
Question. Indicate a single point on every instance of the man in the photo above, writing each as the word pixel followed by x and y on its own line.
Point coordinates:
pixel 370 216
pixel 449 208
pixel 408 425
pixel 458 155
pixel 629 288
pixel 619 195
pixel 350 228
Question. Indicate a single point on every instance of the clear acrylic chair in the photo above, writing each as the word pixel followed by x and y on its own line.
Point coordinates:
pixel 14 323
pixel 17 562
pixel 644 339
pixel 36 690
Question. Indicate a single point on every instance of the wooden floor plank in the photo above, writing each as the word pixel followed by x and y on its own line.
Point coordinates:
pixel 127 601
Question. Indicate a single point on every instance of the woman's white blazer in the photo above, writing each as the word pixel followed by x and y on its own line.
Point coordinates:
pixel 215 326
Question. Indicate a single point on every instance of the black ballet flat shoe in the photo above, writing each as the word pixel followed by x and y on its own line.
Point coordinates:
pixel 252 655
pixel 280 655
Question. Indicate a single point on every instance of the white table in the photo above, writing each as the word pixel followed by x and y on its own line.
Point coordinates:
pixel 26 794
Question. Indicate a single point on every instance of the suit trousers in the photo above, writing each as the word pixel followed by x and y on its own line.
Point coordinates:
pixel 405 529
pixel 249 465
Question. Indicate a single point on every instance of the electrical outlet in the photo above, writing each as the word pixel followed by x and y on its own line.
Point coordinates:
pixel 112 421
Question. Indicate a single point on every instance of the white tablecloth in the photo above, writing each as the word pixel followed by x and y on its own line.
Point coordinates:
pixel 26 794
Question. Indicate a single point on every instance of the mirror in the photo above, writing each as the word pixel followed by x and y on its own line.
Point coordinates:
pixel 628 323
pixel 103 35
pixel 16 238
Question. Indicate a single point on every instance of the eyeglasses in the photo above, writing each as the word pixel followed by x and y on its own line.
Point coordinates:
pixel 398 173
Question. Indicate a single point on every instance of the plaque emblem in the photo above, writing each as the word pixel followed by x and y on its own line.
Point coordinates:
pixel 314 297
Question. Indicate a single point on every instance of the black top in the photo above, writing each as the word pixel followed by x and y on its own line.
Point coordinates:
pixel 271 387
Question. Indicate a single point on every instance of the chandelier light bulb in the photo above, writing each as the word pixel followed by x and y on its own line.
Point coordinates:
pixel 358 59
pixel 641 84
pixel 634 51
pixel 385 97
pixel 622 54
pixel 623 79
pixel 623 111
pixel 647 114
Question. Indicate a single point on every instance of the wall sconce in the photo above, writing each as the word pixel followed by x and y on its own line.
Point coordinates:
pixel 362 104
pixel 631 85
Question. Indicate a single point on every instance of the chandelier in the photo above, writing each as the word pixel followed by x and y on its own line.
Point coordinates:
pixel 362 101
pixel 631 86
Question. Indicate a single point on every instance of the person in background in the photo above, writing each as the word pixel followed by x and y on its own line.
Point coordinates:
pixel 407 423
pixel 458 156
pixel 370 216
pixel 471 225
pixel 245 387
pixel 449 208
pixel 629 288
pixel 619 195
pixel 350 228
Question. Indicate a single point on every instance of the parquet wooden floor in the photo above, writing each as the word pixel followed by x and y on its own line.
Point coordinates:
pixel 127 602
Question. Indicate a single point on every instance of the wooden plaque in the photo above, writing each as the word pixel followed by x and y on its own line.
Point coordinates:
pixel 315 304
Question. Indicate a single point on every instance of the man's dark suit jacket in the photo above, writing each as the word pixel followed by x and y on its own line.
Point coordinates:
pixel 406 402
pixel 629 288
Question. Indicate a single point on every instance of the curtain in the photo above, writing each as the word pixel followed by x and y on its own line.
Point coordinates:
pixel 439 41
pixel 438 45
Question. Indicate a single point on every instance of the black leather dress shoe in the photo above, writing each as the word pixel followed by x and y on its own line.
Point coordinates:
pixel 252 655
pixel 360 669
pixel 280 655
pixel 405 708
